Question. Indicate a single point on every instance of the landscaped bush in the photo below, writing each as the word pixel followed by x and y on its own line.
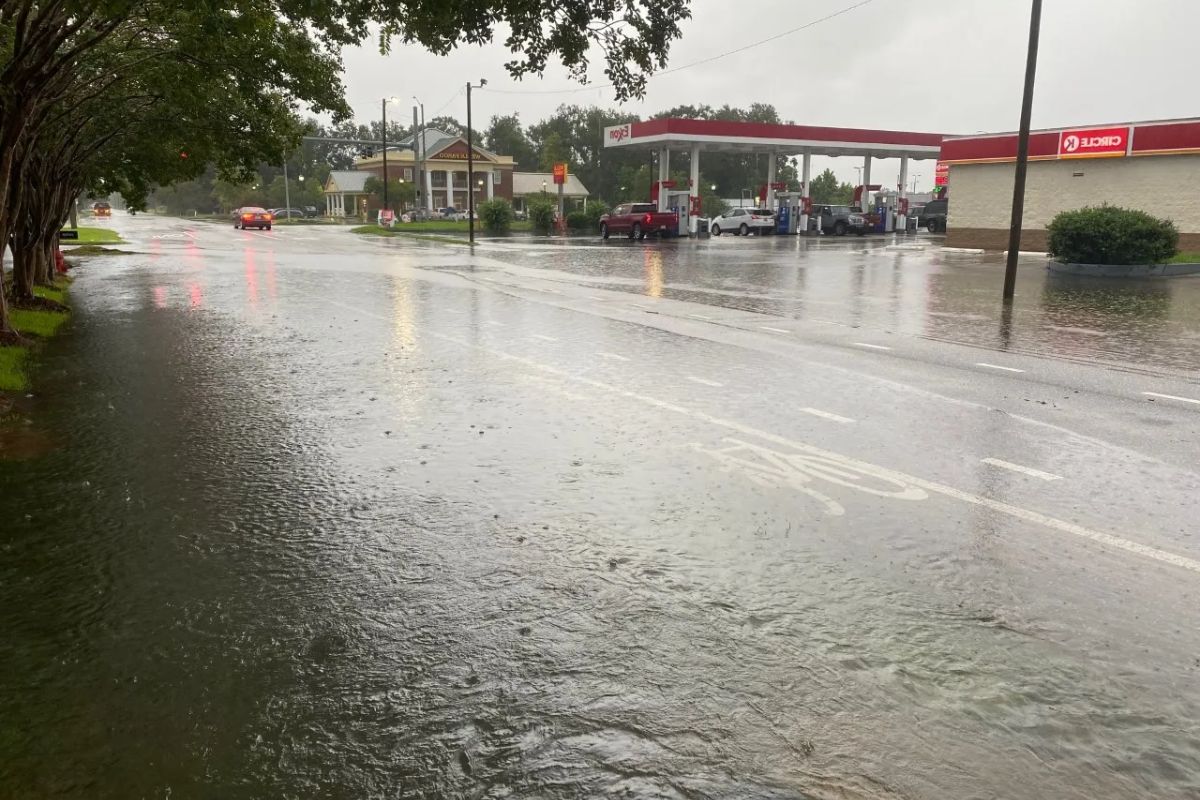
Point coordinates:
pixel 579 220
pixel 496 215
pixel 541 215
pixel 1111 235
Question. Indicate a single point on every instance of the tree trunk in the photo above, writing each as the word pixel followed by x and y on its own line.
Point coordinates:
pixel 23 266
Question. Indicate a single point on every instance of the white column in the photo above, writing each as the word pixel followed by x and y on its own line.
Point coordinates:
pixel 806 173
pixel 328 207
pixel 491 182
pixel 428 190
pixel 771 159
pixel 902 221
pixel 450 189
pixel 664 172
pixel 866 200
pixel 695 190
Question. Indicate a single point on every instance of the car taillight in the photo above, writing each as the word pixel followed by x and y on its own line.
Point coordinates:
pixel 270 217
pixel 247 216
pixel 648 219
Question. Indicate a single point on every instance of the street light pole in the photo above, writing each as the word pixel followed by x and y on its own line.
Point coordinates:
pixel 1018 204
pixel 471 164
pixel 419 151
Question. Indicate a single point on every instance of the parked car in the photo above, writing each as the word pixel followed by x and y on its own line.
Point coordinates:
pixel 311 211
pixel 838 220
pixel 288 213
pixel 743 222
pixel 452 213
pixel 933 216
pixel 101 209
pixel 638 220
pixel 252 217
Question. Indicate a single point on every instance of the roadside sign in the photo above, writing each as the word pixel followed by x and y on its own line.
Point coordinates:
pixel 1093 142
pixel 941 174
pixel 560 173
pixel 68 234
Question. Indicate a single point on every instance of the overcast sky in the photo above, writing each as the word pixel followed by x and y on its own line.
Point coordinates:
pixel 945 66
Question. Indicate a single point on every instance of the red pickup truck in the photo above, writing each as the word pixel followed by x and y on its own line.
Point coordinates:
pixel 636 220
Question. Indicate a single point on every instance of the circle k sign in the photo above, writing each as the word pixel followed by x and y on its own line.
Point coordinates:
pixel 1093 142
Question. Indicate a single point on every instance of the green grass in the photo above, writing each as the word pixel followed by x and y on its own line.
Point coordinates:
pixel 89 235
pixel 14 359
pixel 1186 257
pixel 13 377
pixel 445 226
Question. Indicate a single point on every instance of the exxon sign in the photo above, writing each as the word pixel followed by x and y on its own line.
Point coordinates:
pixel 618 133
pixel 1093 143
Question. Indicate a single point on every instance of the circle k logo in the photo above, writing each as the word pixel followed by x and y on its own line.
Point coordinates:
pixel 1070 143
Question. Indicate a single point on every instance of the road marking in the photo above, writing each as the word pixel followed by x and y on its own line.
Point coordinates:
pixel 1172 397
pixel 544 338
pixel 872 346
pixel 1036 473
pixel 773 330
pixel 816 412
pixel 997 366
pixel 698 316
pixel 613 356
pixel 703 381
pixel 1024 514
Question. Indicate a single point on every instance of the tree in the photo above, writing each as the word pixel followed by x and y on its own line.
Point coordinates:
pixel 505 136
pixel 826 189
pixel 400 193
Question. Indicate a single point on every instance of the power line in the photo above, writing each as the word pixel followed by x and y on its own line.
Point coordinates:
pixel 709 60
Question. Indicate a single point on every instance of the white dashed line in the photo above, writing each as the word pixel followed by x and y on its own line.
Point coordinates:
pixel 544 338
pixel 773 330
pixel 997 366
pixel 1172 397
pixel 816 412
pixel 703 381
pixel 698 316
pixel 1036 473
pixel 871 346
pixel 613 356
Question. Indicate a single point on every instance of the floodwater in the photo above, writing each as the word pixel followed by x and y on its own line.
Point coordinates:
pixel 345 519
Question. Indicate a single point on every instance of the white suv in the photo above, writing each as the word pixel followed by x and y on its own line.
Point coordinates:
pixel 743 222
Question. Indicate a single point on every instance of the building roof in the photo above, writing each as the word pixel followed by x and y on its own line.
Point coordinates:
pixel 347 180
pixel 761 137
pixel 435 142
pixel 534 182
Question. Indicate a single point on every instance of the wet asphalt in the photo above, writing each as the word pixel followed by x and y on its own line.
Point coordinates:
pixel 324 516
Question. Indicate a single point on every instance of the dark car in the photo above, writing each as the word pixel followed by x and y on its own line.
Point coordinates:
pixel 252 217
pixel 933 216
pixel 288 213
pixel 838 220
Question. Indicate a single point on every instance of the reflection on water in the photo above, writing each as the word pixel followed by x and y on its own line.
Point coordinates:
pixel 654 273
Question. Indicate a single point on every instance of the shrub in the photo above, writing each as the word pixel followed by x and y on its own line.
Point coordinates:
pixel 496 215
pixel 541 215
pixel 1111 235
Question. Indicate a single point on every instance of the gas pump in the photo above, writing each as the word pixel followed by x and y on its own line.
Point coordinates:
pixel 680 201
pixel 884 205
pixel 791 213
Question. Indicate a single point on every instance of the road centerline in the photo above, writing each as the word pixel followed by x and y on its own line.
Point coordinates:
pixel 1035 473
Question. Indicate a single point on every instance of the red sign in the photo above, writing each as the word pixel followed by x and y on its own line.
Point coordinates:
pixel 941 174
pixel 620 132
pixel 560 174
pixel 1093 142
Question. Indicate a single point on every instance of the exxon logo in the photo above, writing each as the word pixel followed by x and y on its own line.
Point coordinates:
pixel 619 133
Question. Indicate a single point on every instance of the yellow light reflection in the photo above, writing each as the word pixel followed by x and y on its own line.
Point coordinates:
pixel 654 273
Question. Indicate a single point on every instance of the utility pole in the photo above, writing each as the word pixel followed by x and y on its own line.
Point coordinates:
pixel 287 192
pixel 383 106
pixel 420 156
pixel 471 164
pixel 1018 204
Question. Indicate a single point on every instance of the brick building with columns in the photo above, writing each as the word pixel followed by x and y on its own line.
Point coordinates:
pixel 438 165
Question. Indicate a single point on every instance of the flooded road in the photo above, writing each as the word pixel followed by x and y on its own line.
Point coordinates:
pixel 730 519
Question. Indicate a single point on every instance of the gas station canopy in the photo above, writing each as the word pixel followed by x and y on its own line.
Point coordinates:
pixel 760 137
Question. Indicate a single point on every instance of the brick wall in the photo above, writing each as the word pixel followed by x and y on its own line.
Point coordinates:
pixel 981 196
